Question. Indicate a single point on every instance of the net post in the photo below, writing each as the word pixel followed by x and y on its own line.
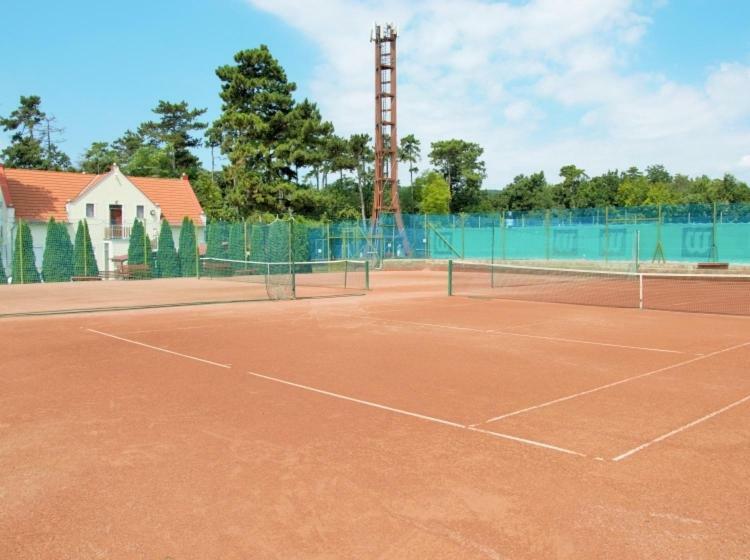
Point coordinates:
pixel 20 248
pixel 291 259
pixel 637 249
pixel 197 252
pixel 450 277
pixel 714 247
pixel 346 273
pixel 640 291
pixel 367 275
pixel 463 235
pixel 503 234
pixel 606 234
pixel 492 252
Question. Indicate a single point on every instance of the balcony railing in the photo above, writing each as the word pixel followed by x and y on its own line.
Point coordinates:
pixel 117 232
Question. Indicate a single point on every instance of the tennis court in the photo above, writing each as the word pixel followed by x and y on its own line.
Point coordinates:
pixel 401 424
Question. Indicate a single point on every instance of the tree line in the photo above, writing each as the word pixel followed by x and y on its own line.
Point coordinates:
pixel 280 155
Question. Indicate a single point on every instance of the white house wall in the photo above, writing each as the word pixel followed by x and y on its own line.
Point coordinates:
pixel 114 189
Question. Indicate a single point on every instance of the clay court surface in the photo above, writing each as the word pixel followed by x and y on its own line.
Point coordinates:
pixel 398 424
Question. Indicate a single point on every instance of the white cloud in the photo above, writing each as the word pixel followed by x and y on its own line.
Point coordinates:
pixel 538 85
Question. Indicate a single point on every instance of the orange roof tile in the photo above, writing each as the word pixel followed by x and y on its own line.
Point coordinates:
pixel 4 188
pixel 37 195
pixel 175 197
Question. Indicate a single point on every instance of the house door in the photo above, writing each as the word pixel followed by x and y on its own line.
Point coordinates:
pixel 115 221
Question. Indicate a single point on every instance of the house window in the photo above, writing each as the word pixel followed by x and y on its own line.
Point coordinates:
pixel 89 210
pixel 139 212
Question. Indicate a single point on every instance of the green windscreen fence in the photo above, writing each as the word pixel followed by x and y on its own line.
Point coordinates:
pixel 89 249
pixel 632 235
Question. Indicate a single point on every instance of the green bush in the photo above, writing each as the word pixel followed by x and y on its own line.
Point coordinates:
pixel 137 246
pixel 24 268
pixel 84 261
pixel 166 256
pixel 188 248
pixel 57 263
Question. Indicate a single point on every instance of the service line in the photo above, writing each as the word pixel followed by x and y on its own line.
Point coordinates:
pixel 158 349
pixel 680 429
pixel 417 415
pixel 613 384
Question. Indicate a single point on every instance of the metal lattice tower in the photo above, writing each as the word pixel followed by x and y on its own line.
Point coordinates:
pixel 386 129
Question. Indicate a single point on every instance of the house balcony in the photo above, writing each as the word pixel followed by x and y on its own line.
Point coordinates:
pixel 116 232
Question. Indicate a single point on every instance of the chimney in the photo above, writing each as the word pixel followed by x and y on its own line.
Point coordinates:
pixel 184 177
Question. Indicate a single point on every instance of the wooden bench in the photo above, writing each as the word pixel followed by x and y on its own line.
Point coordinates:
pixel 135 271
pixel 712 266
pixel 84 278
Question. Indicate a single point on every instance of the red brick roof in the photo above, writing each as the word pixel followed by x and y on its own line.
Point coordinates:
pixel 37 195
pixel 4 188
pixel 175 197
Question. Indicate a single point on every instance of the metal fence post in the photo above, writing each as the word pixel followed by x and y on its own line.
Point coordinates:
pixel 450 277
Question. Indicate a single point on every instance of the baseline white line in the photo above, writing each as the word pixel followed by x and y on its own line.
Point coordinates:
pixel 680 429
pixel 524 335
pixel 414 414
pixel 613 384
pixel 524 440
pixel 225 366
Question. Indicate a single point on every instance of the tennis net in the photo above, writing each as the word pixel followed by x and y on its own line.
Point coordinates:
pixel 699 293
pixel 289 280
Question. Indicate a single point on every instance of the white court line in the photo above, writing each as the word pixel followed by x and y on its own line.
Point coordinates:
pixel 416 415
pixel 165 329
pixel 226 366
pixel 613 384
pixel 680 429
pixel 351 399
pixel 540 337
pixel 524 440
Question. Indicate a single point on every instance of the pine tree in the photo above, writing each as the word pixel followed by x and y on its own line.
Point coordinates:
pixel 58 253
pixel 140 252
pixel 24 268
pixel 188 251
pixel 84 260
pixel 136 252
pixel 66 251
pixel 166 256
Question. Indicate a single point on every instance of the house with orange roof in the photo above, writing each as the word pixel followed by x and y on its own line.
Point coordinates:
pixel 110 203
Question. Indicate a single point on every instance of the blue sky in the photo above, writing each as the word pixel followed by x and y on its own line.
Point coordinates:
pixel 600 83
